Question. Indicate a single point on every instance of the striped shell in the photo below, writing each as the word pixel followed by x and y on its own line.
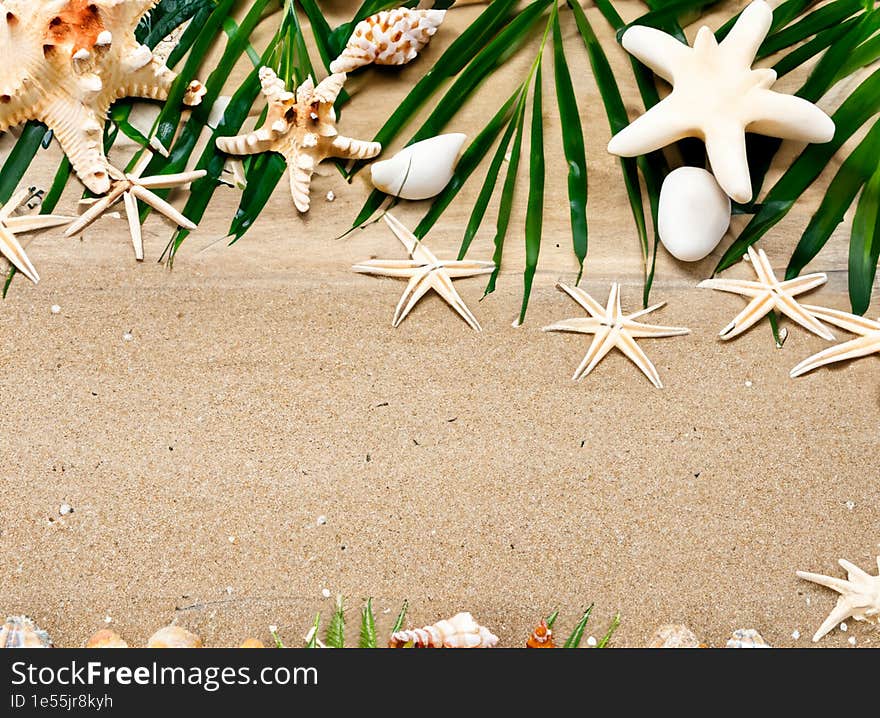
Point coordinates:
pixel 542 637
pixel 460 631
pixel 391 37
pixel 21 632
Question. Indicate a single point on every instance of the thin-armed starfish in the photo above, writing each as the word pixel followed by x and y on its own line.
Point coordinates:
pixel 131 188
pixel 64 62
pixel 612 328
pixel 859 595
pixel 424 272
pixel 718 97
pixel 767 294
pixel 867 343
pixel 9 226
pixel 302 128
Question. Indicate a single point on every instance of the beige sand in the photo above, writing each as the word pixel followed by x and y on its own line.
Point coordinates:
pixel 264 386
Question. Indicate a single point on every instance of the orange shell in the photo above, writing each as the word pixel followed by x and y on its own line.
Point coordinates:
pixel 174 637
pixel 252 643
pixel 106 638
pixel 542 637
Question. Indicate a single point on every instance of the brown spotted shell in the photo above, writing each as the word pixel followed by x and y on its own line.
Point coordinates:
pixel 22 632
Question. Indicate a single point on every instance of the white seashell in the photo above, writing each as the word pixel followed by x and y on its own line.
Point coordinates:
pixel 460 631
pixel 674 635
pixel 421 170
pixel 391 37
pixel 747 638
pixel 22 632
pixel 859 596
pixel 693 215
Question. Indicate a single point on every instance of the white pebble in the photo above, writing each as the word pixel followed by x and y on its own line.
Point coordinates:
pixel 843 627
pixel 107 619
pixel 331 195
pixel 127 337
pixel 273 629
pixel 65 509
pixel 229 590
pixel 325 592
pixel 322 520
pixel 55 309
pixel 850 505
pixel 851 640
pixel 808 600
pixel 796 634
pixel 591 641
pixel 232 539
pixel 748 384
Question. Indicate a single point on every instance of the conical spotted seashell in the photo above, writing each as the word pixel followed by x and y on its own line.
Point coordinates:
pixel 21 632
pixel 460 631
pixel 542 637
pixel 391 37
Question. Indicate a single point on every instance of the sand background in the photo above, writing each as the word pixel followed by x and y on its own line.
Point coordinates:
pixel 264 387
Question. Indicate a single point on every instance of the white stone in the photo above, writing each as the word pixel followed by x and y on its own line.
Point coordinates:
pixel 694 213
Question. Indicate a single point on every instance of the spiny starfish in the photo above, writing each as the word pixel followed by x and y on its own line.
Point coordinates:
pixel 867 343
pixel 718 97
pixel 9 226
pixel 767 294
pixel 424 272
pixel 64 62
pixel 302 128
pixel 131 188
pixel 859 596
pixel 612 328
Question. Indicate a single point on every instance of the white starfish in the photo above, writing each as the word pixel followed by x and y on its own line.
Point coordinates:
pixel 612 328
pixel 10 226
pixel 424 272
pixel 867 343
pixel 131 188
pixel 767 294
pixel 859 596
pixel 718 97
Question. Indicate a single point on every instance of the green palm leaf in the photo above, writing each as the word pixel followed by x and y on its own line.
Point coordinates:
pixel 535 205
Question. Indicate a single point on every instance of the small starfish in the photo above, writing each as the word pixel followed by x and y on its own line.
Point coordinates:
pixel 867 343
pixel 302 128
pixel 612 328
pixel 64 62
pixel 768 294
pixel 424 272
pixel 131 188
pixel 10 226
pixel 718 97
pixel 859 596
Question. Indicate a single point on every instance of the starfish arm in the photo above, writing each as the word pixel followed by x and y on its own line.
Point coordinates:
pixel 754 311
pixel 840 585
pixel 16 201
pixel 788 117
pixel 612 309
pixel 659 51
pixel 577 325
pixel 745 37
pixel 603 343
pixel 637 355
pixel 799 285
pixel 640 331
pixel 79 131
pixel 352 149
pixel 734 286
pixel 840 612
pixel 171 181
pixel 36 222
pixel 163 207
pixel 442 284
pixel 853 349
pixel 253 143
pixel 646 310
pixel 660 126
pixel 95 211
pixel 761 265
pixel 851 322
pixel 794 311
pixel 468 268
pixel 726 147
pixel 414 247
pixel 134 225
pixel 854 572
pixel 151 81
pixel 301 167
pixel 14 252
pixel 592 307
pixel 330 87
pixel 401 268
pixel 415 290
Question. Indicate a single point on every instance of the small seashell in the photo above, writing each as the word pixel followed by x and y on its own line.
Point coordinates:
pixel 391 37
pixel 22 632
pixel 674 636
pixel 693 215
pixel 106 638
pixel 747 638
pixel 421 170
pixel 174 637
pixel 460 631
pixel 542 637
pixel 252 643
